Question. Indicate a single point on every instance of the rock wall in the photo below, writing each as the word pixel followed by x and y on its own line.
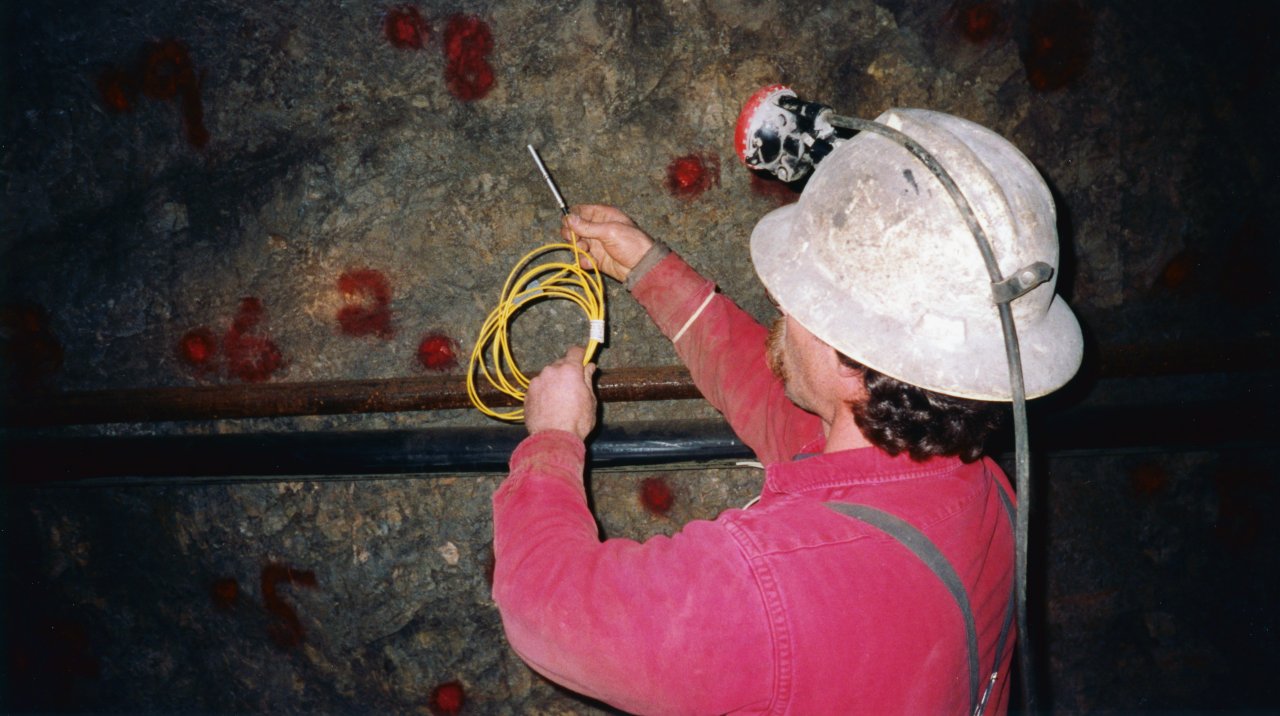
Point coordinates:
pixel 222 192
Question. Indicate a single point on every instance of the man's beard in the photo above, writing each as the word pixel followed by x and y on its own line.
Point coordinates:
pixel 773 349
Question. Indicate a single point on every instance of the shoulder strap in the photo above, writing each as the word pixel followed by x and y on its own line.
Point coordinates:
pixel 1008 611
pixel 923 548
pixel 926 551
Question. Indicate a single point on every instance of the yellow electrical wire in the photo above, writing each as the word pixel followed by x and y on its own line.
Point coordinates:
pixel 492 356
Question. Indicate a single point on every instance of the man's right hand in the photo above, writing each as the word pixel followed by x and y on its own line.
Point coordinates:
pixel 610 236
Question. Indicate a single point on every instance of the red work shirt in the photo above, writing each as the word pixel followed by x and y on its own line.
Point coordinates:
pixel 783 608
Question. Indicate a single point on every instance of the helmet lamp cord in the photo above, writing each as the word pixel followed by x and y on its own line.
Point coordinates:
pixel 1016 383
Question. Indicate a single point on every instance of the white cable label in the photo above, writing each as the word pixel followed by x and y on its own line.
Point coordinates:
pixel 597 330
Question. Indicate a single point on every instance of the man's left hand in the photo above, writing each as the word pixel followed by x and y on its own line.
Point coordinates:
pixel 561 397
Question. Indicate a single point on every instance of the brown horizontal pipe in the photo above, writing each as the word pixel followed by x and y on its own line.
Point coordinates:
pixel 270 400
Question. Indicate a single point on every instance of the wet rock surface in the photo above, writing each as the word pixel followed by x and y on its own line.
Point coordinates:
pixel 227 193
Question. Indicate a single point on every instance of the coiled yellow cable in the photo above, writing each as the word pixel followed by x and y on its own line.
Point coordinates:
pixel 492 356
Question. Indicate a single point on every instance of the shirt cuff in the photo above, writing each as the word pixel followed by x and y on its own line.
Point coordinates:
pixel 650 259
pixel 556 453
pixel 672 292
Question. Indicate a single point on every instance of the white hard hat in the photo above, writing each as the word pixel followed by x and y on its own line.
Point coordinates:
pixel 877 260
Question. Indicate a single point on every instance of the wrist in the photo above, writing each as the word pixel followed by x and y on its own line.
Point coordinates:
pixel 656 253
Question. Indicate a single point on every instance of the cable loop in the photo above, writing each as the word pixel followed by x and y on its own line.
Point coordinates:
pixel 492 356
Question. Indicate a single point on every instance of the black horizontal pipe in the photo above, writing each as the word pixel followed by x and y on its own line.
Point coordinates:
pixel 45 459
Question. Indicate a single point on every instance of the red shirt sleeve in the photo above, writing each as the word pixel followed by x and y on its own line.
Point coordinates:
pixel 724 349
pixel 659 626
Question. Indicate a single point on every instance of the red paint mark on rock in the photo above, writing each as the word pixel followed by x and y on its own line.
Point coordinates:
pixel 1148 480
pixel 1060 40
pixel 467 43
pixel 166 69
pixel 367 310
pixel 251 358
pixel 286 630
pixel 447 699
pixel 438 352
pixel 249 316
pixel 169 74
pixel 979 21
pixel 29 352
pixel 776 190
pixel 118 90
pixel 656 495
pixel 198 349
pixel 225 593
pixel 249 355
pixel 1180 269
pixel 405 28
pixel 69 651
pixel 691 175
pixel 163 72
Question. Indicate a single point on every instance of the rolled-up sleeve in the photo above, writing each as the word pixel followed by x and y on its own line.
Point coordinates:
pixel 724 349
pixel 671 625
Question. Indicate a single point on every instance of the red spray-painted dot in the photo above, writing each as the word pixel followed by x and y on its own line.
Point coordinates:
pixel 249 315
pixel 251 358
pixel 197 348
pixel 68 651
pixel 979 20
pixel 405 28
pixel 447 699
pixel 117 89
pixel 438 352
pixel 691 175
pixel 1148 480
pixel 775 190
pixel 656 495
pixel 1059 44
pixel 28 348
pixel 225 593
pixel 367 294
pixel 467 41
pixel 1180 269
pixel 286 631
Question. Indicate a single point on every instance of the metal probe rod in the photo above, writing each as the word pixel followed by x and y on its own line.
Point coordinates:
pixel 550 182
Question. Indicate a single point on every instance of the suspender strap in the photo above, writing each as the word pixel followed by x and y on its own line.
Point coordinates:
pixel 924 548
pixel 1008 612
pixel 920 545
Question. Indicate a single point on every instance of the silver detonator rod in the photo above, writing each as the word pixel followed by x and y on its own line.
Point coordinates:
pixel 550 182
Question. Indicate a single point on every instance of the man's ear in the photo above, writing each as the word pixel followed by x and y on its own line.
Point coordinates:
pixel 845 370
pixel 852 377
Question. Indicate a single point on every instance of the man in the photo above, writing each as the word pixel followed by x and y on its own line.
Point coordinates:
pixel 871 396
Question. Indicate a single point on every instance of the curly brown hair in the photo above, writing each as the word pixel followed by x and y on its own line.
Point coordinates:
pixel 899 417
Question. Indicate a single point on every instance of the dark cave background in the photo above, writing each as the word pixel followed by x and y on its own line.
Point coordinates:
pixel 221 197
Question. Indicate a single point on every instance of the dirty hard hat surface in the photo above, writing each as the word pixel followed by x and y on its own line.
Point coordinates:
pixel 877 260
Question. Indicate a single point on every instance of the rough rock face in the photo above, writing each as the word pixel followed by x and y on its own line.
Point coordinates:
pixel 203 193
pixel 291 597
